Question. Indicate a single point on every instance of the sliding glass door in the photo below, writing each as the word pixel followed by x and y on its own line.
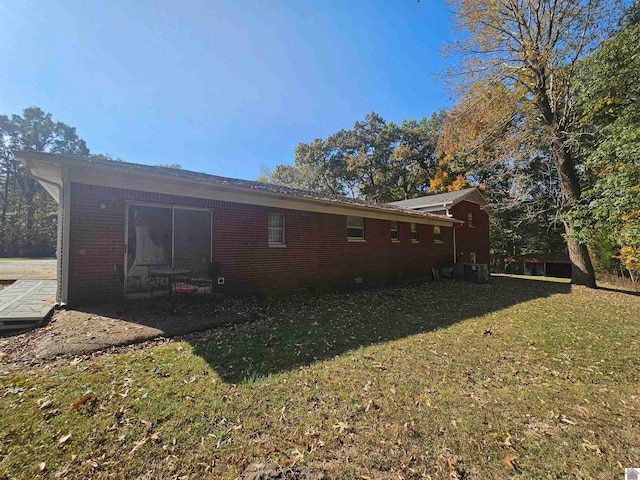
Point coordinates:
pixel 192 237
pixel 155 235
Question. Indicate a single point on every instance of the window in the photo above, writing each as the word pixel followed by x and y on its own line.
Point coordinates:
pixel 414 232
pixel 470 220
pixel 355 228
pixel 276 229
pixel 437 234
pixel 472 257
pixel 395 234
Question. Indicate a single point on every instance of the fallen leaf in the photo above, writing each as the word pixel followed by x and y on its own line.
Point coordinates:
pixel 509 460
pixel 64 438
pixel 137 445
pixel 341 427
pixel 83 399
pixel 42 466
pixel 588 446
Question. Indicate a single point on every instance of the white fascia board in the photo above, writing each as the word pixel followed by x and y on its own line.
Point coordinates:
pixel 432 207
pixel 48 174
pixel 81 171
pixel 229 193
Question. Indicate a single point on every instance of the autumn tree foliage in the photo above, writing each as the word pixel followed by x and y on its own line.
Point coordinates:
pixel 487 141
pixel 376 160
pixel 530 51
pixel 608 91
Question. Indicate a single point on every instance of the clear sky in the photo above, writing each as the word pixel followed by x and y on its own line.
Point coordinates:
pixel 221 87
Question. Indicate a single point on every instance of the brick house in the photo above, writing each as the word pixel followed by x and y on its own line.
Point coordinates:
pixel 267 238
pixel 471 238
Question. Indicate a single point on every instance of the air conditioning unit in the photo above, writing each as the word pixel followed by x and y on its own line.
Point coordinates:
pixel 476 272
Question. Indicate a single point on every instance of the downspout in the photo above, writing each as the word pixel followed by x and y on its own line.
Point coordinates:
pixel 455 249
pixel 59 246
pixel 66 209
pixel 60 277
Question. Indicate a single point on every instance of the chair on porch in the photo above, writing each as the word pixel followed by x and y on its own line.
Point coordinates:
pixel 133 279
pixel 180 279
pixel 208 277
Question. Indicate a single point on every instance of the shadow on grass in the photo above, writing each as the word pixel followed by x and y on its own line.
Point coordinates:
pixel 302 329
pixel 619 290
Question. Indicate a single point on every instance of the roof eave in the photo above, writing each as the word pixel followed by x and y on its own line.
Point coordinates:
pixel 130 170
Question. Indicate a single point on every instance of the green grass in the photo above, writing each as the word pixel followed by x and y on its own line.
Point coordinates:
pixel 517 378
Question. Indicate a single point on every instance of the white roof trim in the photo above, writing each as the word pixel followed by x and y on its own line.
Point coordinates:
pixel 51 167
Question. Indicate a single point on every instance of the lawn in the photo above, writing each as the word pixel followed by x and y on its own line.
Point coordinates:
pixel 517 378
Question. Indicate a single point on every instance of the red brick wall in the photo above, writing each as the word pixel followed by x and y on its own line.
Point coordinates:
pixel 471 239
pixel 317 254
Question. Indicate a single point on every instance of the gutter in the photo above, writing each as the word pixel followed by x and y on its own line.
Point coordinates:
pixel 129 170
pixel 455 249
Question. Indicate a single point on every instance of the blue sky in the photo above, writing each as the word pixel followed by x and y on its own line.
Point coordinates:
pixel 221 87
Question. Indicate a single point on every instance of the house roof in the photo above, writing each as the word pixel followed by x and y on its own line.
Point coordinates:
pixel 51 170
pixel 444 200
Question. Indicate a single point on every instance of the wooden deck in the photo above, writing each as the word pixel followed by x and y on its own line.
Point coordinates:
pixel 26 303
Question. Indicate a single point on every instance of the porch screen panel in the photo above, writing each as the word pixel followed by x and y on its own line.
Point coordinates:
pixel 149 239
pixel 192 237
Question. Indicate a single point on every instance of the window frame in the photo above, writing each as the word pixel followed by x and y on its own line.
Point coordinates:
pixel 437 234
pixel 350 228
pixel 395 230
pixel 470 222
pixel 277 229
pixel 415 237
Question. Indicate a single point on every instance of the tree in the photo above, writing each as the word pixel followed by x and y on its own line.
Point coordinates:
pixel 414 159
pixel 532 48
pixel 28 216
pixel 377 160
pixel 609 92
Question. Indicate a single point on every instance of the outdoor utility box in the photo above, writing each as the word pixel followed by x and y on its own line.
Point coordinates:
pixel 475 272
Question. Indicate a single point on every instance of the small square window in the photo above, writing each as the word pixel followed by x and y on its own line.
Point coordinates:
pixel 437 234
pixel 276 229
pixel 470 220
pixel 414 232
pixel 355 228
pixel 395 234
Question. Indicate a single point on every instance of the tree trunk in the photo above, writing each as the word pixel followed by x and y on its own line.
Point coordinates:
pixel 5 198
pixel 582 272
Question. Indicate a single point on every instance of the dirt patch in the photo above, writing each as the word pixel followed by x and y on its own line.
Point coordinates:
pixel 107 327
